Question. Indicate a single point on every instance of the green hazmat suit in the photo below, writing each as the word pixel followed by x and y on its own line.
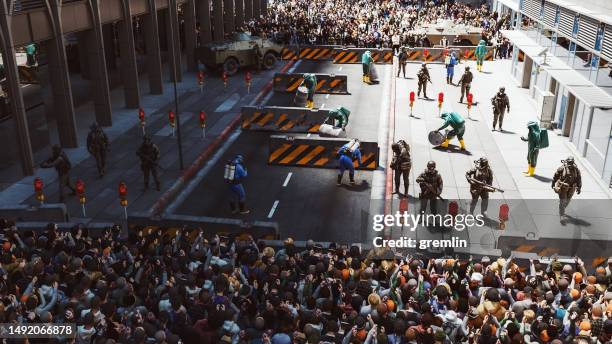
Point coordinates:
pixel 366 61
pixel 310 82
pixel 340 117
pixel 455 121
pixel 481 51
pixel 533 141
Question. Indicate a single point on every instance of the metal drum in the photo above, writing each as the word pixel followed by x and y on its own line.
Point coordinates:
pixel 301 95
pixel 435 138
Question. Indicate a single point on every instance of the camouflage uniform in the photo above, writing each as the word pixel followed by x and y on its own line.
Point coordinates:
pixel 566 181
pixel 97 146
pixel 481 172
pixel 500 103
pixel 59 160
pixel 423 76
pixel 401 164
pixel 148 152
pixel 431 185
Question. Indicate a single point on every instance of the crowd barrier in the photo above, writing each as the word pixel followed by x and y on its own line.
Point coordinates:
pixel 52 212
pixel 326 83
pixel 211 226
pixel 319 152
pixel 353 55
pixel 282 119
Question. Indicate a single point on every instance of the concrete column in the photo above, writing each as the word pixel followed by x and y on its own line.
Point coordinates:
pixel 127 49
pixel 248 10
pixel 82 49
pixel 97 68
pixel 154 61
pixel 228 16
pixel 109 46
pixel 174 57
pixel 218 30
pixel 264 7
pixel 239 10
pixel 14 92
pixel 256 8
pixel 203 7
pixel 189 16
pixel 60 81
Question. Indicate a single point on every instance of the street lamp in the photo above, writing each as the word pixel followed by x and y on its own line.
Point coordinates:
pixel 174 77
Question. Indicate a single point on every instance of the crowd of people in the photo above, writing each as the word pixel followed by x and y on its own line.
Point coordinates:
pixel 179 287
pixel 369 23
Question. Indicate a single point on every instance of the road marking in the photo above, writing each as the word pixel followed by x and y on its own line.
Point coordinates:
pixel 327 96
pixel 322 106
pixel 229 103
pixel 271 213
pixel 339 69
pixel 287 179
pixel 308 135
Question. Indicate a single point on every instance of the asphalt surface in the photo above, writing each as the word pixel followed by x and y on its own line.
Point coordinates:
pixel 309 205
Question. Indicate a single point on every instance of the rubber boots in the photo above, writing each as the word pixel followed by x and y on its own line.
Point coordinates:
pixel 462 144
pixel 444 144
pixel 530 171
pixel 309 104
pixel 367 79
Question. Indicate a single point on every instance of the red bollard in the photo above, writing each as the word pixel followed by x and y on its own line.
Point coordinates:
pixel 470 98
pixel 79 187
pixel 224 77
pixel 38 189
pixel 201 81
pixel 141 119
pixel 504 211
pixel 412 98
pixel 203 123
pixel 440 101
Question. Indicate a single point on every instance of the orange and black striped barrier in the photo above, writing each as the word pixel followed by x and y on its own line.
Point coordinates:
pixel 326 83
pixel 317 152
pixel 317 53
pixel 289 53
pixel 282 119
pixel 438 55
pixel 353 55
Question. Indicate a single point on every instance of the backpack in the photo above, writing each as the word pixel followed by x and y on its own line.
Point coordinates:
pixel 543 138
pixel 468 77
pixel 447 61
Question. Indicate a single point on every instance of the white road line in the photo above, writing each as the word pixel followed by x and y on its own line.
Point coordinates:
pixel 271 213
pixel 308 135
pixel 340 68
pixel 327 96
pixel 322 106
pixel 287 179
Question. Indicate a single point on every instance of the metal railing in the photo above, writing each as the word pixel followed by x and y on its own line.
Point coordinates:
pixel 27 5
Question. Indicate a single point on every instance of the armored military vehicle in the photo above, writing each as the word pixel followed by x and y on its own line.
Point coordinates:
pixel 238 52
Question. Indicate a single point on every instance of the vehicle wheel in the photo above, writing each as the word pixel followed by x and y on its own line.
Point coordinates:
pixel 269 60
pixel 230 66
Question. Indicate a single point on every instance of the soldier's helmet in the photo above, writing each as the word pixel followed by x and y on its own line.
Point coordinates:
pixel 431 166
pixel 482 162
pixel 395 147
pixel 146 139
pixel 423 64
pixel 569 160
pixel 94 126
pixel 467 68
pixel 502 89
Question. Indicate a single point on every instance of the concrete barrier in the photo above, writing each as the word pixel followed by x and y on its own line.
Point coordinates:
pixel 282 119
pixel 326 83
pixel 52 212
pixel 353 55
pixel 318 152
pixel 210 225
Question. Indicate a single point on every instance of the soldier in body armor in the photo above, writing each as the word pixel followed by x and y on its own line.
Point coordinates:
pixel 423 77
pixel 148 152
pixel 431 185
pixel 500 103
pixel 466 83
pixel 59 160
pixel 401 164
pixel 258 57
pixel 97 146
pixel 479 177
pixel 402 59
pixel 566 181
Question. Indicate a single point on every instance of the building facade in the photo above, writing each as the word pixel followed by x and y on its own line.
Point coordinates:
pixel 129 37
pixel 562 53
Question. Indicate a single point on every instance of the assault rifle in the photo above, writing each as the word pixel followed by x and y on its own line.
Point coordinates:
pixel 484 185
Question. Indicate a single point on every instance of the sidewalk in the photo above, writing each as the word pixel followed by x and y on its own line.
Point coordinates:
pixel 505 151
pixel 221 106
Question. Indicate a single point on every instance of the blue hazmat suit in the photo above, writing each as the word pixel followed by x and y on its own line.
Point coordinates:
pixel 345 162
pixel 236 188
pixel 450 68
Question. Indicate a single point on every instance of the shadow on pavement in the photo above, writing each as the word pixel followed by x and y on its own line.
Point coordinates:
pixel 542 179
pixel 361 187
pixel 453 149
pixel 575 221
